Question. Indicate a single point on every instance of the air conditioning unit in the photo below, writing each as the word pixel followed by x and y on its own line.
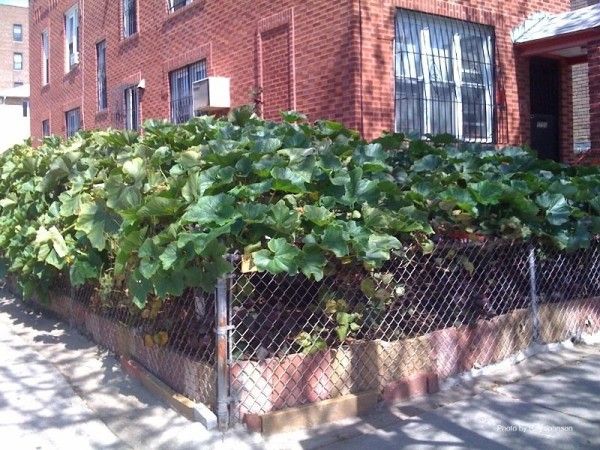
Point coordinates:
pixel 211 95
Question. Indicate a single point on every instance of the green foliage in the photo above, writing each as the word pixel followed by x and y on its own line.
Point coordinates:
pixel 156 212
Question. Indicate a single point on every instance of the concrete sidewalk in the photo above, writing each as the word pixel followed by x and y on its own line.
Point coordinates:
pixel 59 390
pixel 558 408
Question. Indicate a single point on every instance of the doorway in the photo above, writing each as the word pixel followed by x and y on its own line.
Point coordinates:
pixel 544 80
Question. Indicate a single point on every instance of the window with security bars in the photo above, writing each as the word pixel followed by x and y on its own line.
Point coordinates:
pixel 174 5
pixel 73 118
pixel 132 108
pixel 101 75
pixel 444 77
pixel 45 127
pixel 129 17
pixel 180 80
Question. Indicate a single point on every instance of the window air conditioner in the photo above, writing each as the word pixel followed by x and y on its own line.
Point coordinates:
pixel 211 94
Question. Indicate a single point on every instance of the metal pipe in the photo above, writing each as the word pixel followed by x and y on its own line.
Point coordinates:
pixel 535 313
pixel 222 350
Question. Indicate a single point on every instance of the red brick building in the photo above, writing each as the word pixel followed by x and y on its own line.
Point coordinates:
pixel 415 66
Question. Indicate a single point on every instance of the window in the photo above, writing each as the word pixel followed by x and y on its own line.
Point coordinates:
pixel 129 17
pixel 73 118
pixel 18 61
pixel 132 108
pixel 71 38
pixel 45 58
pixel 444 77
pixel 18 32
pixel 101 75
pixel 25 108
pixel 181 90
pixel 45 127
pixel 174 5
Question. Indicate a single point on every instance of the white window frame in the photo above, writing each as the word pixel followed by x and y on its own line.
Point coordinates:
pixel 18 60
pixel 71 38
pixel 73 121
pixel 132 108
pixel 427 54
pixel 125 18
pixel 174 5
pixel 45 57
pixel 20 34
pixel 101 83
pixel 180 89
pixel 46 128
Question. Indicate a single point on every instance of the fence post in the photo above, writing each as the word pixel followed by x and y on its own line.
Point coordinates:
pixel 535 312
pixel 222 351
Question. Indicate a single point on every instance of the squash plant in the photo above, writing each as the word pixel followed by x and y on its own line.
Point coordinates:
pixel 156 212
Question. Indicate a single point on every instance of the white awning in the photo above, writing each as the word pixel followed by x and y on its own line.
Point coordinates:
pixel 15 92
pixel 546 25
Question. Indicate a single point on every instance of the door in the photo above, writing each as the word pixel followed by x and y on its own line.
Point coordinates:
pixel 544 82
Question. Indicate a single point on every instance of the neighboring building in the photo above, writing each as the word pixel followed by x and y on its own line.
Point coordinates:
pixel 14 75
pixel 14 116
pixel 414 66
pixel 14 46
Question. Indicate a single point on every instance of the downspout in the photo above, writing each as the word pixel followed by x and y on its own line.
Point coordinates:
pixel 82 62
pixel 360 62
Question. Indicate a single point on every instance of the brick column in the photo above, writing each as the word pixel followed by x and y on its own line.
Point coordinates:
pixel 594 86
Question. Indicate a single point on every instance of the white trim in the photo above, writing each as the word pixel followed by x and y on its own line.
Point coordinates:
pixel 425 55
pixel 71 38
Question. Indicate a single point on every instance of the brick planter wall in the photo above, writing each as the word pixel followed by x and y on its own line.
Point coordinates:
pixel 401 369
pixel 194 379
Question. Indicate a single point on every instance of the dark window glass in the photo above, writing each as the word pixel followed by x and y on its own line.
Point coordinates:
pixel 101 75
pixel 73 118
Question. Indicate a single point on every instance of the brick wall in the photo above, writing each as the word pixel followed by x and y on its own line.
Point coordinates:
pixel 10 15
pixel 512 90
pixel 594 80
pixel 307 60
pixel 327 59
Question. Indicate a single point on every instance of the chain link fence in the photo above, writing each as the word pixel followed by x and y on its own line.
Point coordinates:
pixel 422 317
pixel 173 339
pixel 265 342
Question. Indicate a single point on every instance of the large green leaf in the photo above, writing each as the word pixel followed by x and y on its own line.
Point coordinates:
pixel 556 206
pixel 97 222
pixel 217 209
pixel 280 257
pixel 334 240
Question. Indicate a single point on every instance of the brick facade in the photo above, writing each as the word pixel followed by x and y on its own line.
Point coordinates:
pixel 327 59
pixel 9 16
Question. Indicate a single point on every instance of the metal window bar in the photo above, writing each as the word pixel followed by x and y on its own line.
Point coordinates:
pixel 73 121
pixel 181 81
pixel 444 77
pixel 174 5
pixel 101 76
pixel 129 17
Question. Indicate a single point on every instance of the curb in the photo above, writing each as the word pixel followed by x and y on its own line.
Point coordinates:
pixel 311 415
pixel 193 411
